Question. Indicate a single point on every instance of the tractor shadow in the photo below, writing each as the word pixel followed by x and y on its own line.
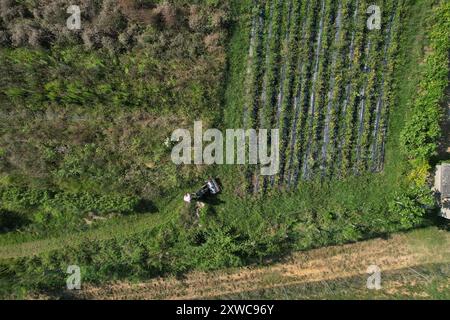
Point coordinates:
pixel 146 206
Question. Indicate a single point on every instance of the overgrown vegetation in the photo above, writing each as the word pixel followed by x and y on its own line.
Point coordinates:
pixel 89 113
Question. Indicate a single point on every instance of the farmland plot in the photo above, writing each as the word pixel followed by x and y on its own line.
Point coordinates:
pixel 319 74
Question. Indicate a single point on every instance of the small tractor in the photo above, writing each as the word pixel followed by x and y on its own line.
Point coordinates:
pixel 210 187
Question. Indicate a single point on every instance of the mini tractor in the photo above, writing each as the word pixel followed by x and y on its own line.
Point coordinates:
pixel 210 187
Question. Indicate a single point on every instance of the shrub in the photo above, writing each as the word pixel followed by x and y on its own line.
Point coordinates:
pixel 412 206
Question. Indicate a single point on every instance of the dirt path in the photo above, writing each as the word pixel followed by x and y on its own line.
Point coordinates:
pixel 324 264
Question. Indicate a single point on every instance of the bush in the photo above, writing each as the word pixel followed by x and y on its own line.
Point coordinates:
pixel 410 207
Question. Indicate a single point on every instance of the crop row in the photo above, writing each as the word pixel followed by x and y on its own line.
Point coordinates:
pixel 385 98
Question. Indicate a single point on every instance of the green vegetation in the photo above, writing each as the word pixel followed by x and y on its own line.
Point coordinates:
pixel 88 117
pixel 88 114
pixel 422 132
pixel 295 81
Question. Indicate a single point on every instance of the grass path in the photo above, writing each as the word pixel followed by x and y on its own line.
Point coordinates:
pixel 401 251
pixel 122 227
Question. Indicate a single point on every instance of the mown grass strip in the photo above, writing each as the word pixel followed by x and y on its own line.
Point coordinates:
pixel 287 22
pixel 386 97
pixel 273 71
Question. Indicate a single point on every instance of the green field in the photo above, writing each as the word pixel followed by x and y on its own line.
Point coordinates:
pixel 87 116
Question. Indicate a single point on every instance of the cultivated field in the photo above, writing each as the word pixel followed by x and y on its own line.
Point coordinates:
pixel 316 72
